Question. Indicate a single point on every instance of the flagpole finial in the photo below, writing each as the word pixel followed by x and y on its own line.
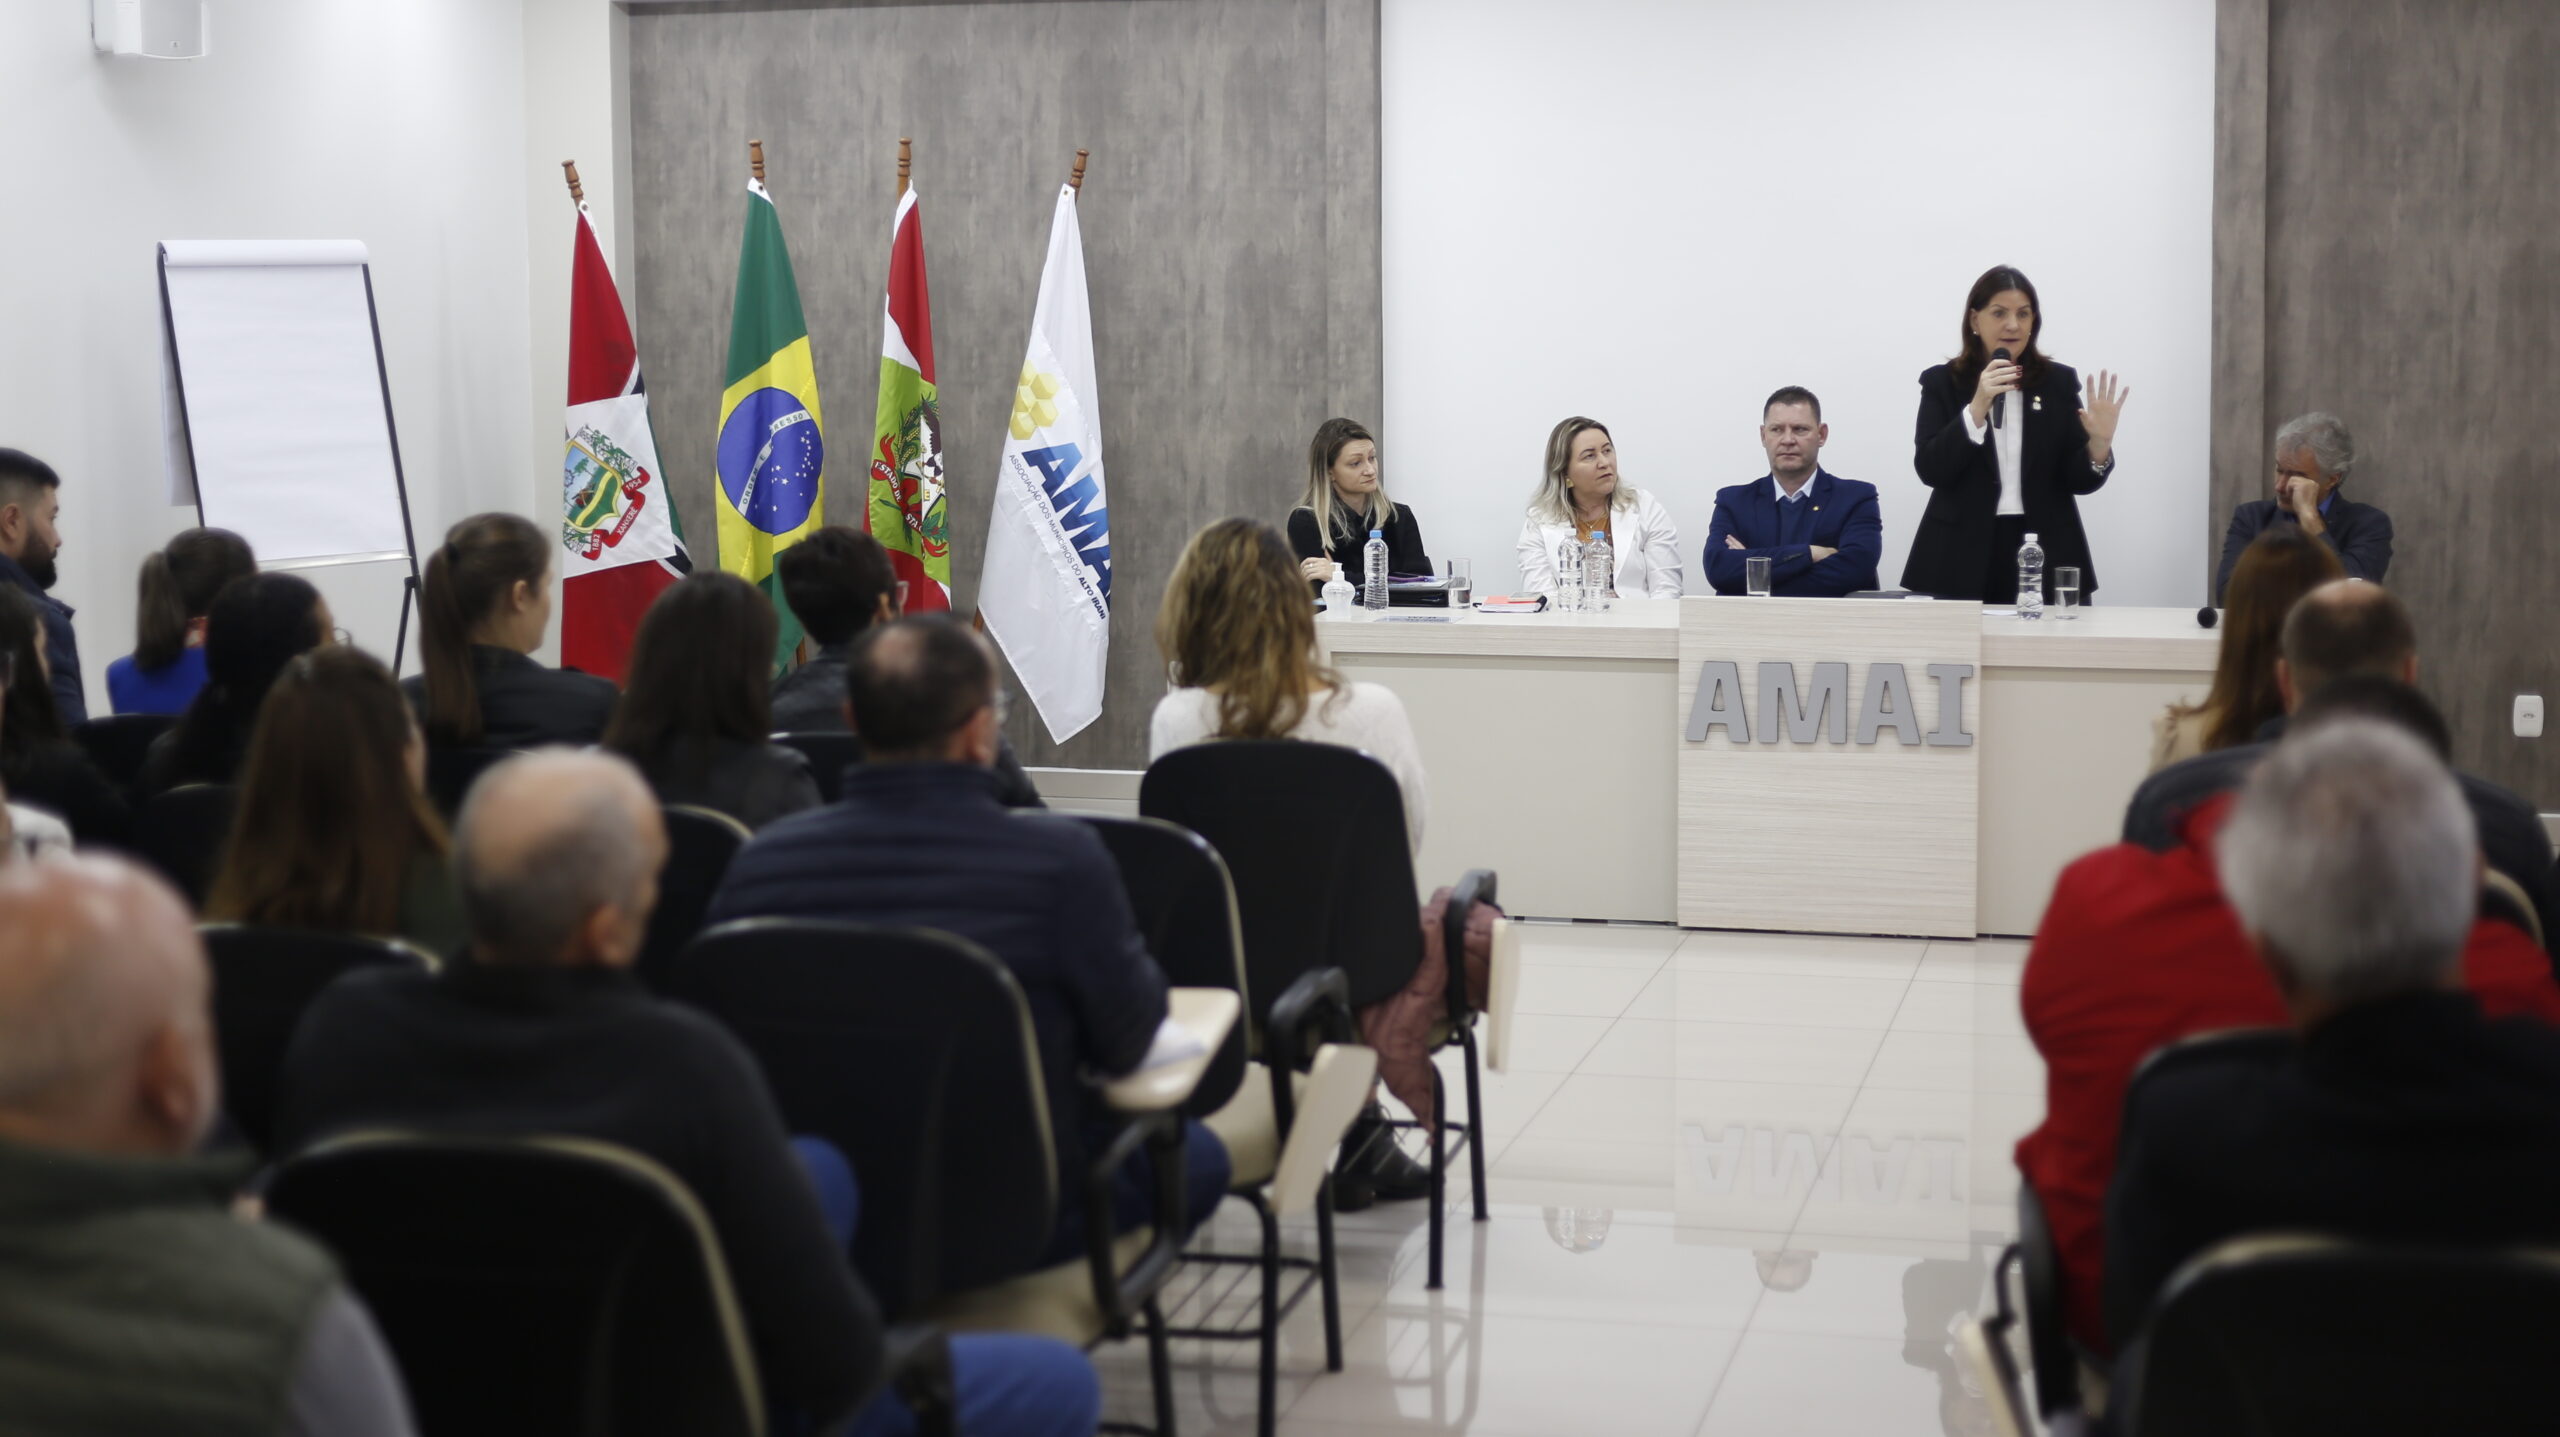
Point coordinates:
pixel 906 157
pixel 1075 181
pixel 755 159
pixel 577 192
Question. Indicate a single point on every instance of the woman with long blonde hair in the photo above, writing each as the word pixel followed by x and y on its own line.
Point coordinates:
pixel 1239 641
pixel 1346 499
pixel 1579 494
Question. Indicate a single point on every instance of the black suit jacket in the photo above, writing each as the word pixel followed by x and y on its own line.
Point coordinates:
pixel 1952 546
pixel 2359 534
pixel 524 705
pixel 2410 1119
pixel 1402 532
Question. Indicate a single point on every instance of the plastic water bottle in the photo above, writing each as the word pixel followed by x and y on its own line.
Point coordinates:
pixel 1339 597
pixel 1373 559
pixel 2031 579
pixel 1568 576
pixel 1599 572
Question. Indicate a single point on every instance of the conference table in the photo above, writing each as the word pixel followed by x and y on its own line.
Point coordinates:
pixel 1884 766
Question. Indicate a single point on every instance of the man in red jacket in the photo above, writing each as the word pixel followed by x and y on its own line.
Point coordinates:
pixel 2136 950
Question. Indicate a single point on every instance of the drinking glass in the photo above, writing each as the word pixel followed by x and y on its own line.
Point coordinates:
pixel 1755 575
pixel 2066 591
pixel 1462 584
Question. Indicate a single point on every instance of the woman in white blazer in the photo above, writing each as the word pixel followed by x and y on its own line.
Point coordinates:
pixel 1580 494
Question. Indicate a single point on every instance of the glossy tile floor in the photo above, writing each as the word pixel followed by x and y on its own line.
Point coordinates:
pixel 1741 1184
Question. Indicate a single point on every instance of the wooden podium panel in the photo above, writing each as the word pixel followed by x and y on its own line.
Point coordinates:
pixel 1801 827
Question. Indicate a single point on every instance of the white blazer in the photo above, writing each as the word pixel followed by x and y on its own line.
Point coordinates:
pixel 1648 551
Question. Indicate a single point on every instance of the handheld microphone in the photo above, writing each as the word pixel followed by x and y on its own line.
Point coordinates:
pixel 2000 353
pixel 2208 616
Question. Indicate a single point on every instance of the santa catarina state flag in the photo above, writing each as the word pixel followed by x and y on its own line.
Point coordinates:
pixel 620 530
pixel 771 457
pixel 907 512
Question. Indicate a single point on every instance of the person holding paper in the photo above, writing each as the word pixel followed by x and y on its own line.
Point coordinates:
pixel 1820 533
pixel 1579 496
pixel 1345 499
pixel 2006 446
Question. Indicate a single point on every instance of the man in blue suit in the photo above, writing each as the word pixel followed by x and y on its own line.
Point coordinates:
pixel 1822 533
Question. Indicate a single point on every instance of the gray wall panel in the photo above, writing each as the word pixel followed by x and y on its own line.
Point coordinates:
pixel 2412 285
pixel 1230 232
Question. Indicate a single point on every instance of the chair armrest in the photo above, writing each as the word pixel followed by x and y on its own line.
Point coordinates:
pixel 918 1367
pixel 1120 1294
pixel 1476 885
pixel 1316 1009
pixel 1209 1014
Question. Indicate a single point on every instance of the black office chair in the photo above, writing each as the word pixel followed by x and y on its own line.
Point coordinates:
pixel 701 843
pixel 2265 1047
pixel 182 834
pixel 912 1052
pixel 532 1285
pixel 1314 837
pixel 118 745
pixel 452 771
pixel 263 979
pixel 830 754
pixel 1185 908
pixel 2279 1335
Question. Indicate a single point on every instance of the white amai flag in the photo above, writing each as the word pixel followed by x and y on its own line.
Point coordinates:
pixel 1046 590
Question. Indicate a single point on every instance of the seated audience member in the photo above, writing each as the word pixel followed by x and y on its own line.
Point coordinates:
pixel 2341 629
pixel 334 831
pixel 1579 495
pixel 541 1028
pixel 2274 573
pixel 2313 455
pixel 697 704
pixel 39 764
pixel 920 841
pixel 1329 530
pixel 166 668
pixel 2405 1115
pixel 2138 948
pixel 483 608
pixel 132 1297
pixel 30 503
pixel 1821 534
pixel 256 627
pixel 838 582
pixel 1240 642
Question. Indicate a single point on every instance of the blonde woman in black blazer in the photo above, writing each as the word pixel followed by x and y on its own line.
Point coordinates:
pixel 1992 484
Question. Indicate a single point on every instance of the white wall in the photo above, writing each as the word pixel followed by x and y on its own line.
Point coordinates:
pixel 1655 212
pixel 400 123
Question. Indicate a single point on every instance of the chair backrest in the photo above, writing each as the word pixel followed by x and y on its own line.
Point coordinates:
pixel 1185 905
pixel 830 754
pixel 452 771
pixel 701 843
pixel 1313 836
pixel 532 1285
pixel 2266 1046
pixel 2501 896
pixel 263 979
pixel 182 833
pixel 911 1051
pixel 2277 1335
pixel 118 745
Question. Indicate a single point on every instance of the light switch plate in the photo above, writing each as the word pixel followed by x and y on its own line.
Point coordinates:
pixel 2528 715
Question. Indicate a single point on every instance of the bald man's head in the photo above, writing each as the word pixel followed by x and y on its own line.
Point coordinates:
pixel 2344 627
pixel 105 1041
pixel 557 855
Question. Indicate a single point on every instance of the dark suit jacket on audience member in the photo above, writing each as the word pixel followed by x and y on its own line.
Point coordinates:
pixel 524 705
pixel 1844 515
pixel 2412 1119
pixel 810 699
pixel 1401 531
pixel 60 779
pixel 754 783
pixel 927 845
pixel 588 1052
pixel 1951 550
pixel 61 644
pixel 2359 534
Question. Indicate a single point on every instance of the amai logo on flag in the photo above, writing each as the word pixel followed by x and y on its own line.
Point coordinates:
pixel 770 457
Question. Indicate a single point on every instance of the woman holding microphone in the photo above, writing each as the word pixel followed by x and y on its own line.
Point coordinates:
pixel 1579 496
pixel 1345 499
pixel 2006 446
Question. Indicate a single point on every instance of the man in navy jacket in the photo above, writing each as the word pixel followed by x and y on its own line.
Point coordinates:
pixel 920 840
pixel 1822 533
pixel 30 498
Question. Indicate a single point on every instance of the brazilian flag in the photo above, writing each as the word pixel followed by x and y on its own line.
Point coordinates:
pixel 771 459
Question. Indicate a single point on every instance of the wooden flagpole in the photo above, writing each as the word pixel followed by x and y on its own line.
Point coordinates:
pixel 577 192
pixel 755 159
pixel 906 158
pixel 1075 180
